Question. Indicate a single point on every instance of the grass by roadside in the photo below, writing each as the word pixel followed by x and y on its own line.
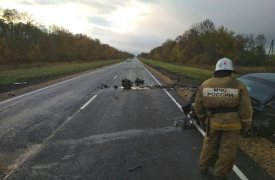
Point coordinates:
pixel 205 71
pixel 255 69
pixel 191 72
pixel 48 71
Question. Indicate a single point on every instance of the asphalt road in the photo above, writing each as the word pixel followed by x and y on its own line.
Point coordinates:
pixel 78 130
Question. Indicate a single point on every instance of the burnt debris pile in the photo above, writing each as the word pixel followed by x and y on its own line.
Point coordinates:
pixel 139 82
pixel 126 83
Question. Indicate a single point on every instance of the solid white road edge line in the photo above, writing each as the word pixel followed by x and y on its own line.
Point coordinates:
pixel 42 89
pixel 239 173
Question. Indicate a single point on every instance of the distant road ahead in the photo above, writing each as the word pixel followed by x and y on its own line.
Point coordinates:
pixel 76 130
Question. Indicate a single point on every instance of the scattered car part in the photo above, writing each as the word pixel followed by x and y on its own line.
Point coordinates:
pixel 135 168
pixel 126 83
pixel 102 86
pixel 190 115
pixel 139 82
pixel 261 88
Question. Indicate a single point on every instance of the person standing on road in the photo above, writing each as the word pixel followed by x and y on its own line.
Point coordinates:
pixel 223 104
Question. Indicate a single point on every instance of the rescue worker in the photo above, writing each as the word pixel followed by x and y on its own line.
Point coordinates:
pixel 223 104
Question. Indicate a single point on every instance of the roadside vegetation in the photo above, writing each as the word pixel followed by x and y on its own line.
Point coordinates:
pixel 204 44
pixel 31 53
pixel 191 72
pixel 202 72
pixel 47 72
pixel 24 41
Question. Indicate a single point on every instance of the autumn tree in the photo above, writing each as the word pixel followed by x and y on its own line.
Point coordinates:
pixel 204 43
pixel 24 41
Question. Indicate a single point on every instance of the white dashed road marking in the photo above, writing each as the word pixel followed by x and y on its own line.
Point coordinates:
pixel 115 77
pixel 88 102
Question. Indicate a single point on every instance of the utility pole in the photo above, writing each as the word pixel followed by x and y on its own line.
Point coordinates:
pixel 270 52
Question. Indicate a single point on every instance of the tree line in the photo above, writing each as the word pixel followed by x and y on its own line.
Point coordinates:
pixel 204 43
pixel 22 40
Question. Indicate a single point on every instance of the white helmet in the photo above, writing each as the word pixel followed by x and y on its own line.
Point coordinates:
pixel 224 64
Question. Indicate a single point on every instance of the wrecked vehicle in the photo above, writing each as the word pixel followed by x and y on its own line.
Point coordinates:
pixel 261 88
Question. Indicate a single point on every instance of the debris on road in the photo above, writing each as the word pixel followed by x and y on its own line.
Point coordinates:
pixel 20 83
pixel 135 168
pixel 126 83
pixel 178 123
pixel 139 82
pixel 103 86
pixel 186 123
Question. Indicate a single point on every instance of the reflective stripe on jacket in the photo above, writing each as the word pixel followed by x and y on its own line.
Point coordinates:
pixel 225 92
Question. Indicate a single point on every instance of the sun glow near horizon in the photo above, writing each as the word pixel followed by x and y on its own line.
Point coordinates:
pixel 72 16
pixel 69 16
pixel 126 19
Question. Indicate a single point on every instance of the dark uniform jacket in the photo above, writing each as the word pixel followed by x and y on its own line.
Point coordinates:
pixel 219 93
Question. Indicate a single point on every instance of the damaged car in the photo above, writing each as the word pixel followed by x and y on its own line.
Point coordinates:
pixel 261 88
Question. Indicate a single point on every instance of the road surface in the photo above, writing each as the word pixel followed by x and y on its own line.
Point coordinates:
pixel 83 128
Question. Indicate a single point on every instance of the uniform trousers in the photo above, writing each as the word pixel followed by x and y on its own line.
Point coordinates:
pixel 219 151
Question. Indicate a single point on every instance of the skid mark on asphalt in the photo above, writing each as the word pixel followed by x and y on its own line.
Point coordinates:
pixel 239 173
pixel 120 135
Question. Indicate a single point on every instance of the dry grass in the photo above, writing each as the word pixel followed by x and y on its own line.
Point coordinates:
pixel 49 71
pixel 246 70
pixel 164 78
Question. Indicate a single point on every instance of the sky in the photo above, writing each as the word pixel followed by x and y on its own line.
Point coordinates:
pixel 140 25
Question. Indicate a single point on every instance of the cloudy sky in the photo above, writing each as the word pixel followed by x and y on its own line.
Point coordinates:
pixel 140 25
